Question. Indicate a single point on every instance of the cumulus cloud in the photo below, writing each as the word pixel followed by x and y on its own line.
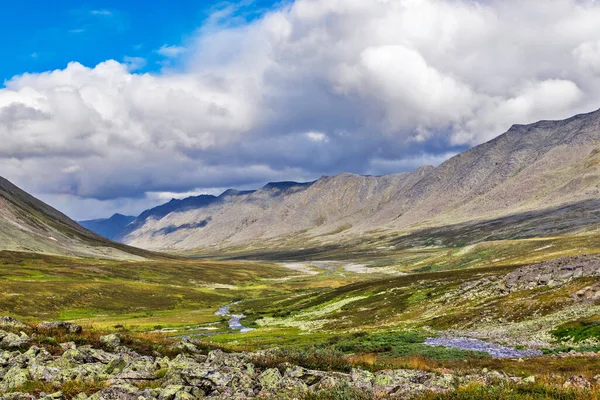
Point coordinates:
pixel 314 87
pixel 170 51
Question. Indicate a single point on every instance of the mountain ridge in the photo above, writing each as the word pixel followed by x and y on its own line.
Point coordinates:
pixel 529 167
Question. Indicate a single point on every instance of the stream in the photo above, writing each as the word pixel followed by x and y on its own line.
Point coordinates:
pixel 493 349
pixel 235 321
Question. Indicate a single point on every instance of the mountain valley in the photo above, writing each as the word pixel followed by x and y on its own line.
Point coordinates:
pixel 479 277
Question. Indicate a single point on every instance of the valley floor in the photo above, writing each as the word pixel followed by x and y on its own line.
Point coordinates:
pixel 438 310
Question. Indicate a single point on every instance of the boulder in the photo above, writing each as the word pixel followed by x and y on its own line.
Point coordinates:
pixel 362 379
pixel 68 327
pixel 577 382
pixel 117 392
pixel 111 341
pixel 68 346
pixel 270 380
pixel 10 322
pixel 13 340
pixel 15 377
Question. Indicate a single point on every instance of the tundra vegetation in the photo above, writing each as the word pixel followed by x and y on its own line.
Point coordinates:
pixel 328 329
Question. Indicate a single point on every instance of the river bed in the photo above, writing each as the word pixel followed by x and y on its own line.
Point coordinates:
pixel 493 349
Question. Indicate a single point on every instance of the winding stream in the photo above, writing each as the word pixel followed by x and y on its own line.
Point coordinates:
pixel 235 320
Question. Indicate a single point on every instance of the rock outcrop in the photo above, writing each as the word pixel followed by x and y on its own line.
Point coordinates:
pixel 124 374
pixel 549 273
pixel 62 325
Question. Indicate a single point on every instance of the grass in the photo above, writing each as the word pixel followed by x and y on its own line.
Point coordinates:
pixel 400 345
pixel 470 392
pixel 341 391
pixel 171 293
pixel 511 392
pixel 580 330
pixel 336 320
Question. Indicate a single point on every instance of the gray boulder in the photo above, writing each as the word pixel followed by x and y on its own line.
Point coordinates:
pixel 13 340
pixel 111 341
pixel 10 322
pixel 69 327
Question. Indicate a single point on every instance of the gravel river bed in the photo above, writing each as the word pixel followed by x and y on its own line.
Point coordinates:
pixel 493 349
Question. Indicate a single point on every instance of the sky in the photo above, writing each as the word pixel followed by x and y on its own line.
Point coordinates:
pixel 112 106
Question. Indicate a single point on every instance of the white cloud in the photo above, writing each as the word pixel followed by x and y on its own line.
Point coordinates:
pixel 170 51
pixel 317 136
pixel 134 63
pixel 314 87
pixel 587 56
pixel 103 13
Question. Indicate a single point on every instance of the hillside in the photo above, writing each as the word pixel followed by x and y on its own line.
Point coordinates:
pixel 28 224
pixel 529 169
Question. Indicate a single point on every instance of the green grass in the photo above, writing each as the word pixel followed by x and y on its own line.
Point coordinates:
pixel 579 331
pixel 401 344
pixel 145 294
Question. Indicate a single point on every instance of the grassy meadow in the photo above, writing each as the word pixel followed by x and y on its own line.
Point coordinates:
pixel 328 315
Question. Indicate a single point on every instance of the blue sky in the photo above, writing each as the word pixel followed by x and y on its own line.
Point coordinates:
pixel 47 35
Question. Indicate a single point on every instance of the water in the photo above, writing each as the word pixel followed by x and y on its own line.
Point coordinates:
pixel 235 320
pixel 493 349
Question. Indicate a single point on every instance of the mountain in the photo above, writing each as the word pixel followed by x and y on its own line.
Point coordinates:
pixel 27 224
pixel 531 168
pixel 110 228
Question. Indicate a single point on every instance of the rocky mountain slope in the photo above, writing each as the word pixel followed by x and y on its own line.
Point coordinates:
pixel 529 168
pixel 28 224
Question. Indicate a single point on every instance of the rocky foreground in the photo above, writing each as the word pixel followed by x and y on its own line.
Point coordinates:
pixel 115 371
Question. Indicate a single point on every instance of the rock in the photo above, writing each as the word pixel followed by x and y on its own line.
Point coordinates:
pixel 68 346
pixel 307 376
pixel 10 322
pixel 13 340
pixel 14 378
pixel 134 376
pixel 178 392
pixel 218 358
pixel 117 392
pixel 577 382
pixel 111 341
pixel 17 396
pixel 529 379
pixel 362 379
pixel 327 382
pixel 270 380
pixel 87 355
pixel 186 347
pixel 60 325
